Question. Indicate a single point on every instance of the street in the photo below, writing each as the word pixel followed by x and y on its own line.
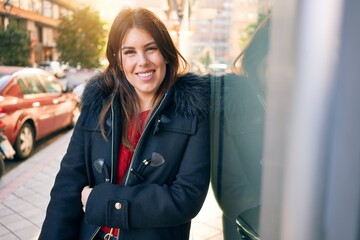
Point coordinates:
pixel 75 77
pixel 40 145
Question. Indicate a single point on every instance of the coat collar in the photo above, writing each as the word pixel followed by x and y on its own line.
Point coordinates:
pixel 190 95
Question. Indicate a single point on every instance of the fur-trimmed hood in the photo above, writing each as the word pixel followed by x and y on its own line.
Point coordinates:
pixel 190 95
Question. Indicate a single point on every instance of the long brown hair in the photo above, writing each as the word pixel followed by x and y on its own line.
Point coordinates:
pixel 114 81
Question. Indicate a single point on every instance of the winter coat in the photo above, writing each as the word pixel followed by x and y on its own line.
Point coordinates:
pixel 161 202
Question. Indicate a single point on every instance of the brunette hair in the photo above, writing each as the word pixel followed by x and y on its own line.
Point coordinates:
pixel 255 51
pixel 114 81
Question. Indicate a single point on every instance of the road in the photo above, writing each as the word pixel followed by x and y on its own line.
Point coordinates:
pixel 40 145
pixel 75 77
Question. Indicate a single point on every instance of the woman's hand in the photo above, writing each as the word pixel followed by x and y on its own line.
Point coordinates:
pixel 85 195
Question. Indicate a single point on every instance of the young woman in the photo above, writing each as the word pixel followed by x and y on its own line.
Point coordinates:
pixel 137 166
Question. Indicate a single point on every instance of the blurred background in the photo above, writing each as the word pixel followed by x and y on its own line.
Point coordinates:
pixel 209 33
pixel 284 87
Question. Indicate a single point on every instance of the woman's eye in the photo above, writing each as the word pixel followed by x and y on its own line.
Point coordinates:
pixel 151 49
pixel 128 52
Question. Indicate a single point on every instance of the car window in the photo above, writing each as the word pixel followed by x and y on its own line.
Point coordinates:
pixel 29 84
pixel 51 83
pixel 24 87
pixel 3 80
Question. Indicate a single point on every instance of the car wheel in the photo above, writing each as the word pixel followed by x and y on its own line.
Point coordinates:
pixel 2 167
pixel 25 140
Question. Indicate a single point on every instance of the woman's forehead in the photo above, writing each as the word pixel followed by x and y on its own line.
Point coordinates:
pixel 137 36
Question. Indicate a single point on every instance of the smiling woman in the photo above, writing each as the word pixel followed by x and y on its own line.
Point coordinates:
pixel 116 161
pixel 143 65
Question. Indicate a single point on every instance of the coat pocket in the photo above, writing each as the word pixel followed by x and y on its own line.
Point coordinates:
pixel 178 125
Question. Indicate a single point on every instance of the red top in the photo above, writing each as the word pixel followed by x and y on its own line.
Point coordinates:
pixel 125 157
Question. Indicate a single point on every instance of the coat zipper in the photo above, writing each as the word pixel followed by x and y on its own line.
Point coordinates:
pixel 112 140
pixel 95 233
pixel 112 150
pixel 112 145
pixel 141 137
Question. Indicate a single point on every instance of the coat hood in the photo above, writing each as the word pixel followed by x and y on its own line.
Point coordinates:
pixel 190 95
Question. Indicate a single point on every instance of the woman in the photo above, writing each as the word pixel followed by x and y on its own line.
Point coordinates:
pixel 137 166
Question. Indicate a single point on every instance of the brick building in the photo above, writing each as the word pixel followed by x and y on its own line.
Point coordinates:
pixel 39 18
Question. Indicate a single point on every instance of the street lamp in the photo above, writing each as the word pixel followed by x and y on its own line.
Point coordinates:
pixel 7 6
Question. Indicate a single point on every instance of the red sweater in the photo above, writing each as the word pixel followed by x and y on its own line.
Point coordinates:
pixel 125 157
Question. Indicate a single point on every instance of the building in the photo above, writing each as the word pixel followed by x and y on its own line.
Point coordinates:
pixel 220 25
pixel 40 19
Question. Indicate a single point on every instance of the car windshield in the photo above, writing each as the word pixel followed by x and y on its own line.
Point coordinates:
pixel 3 80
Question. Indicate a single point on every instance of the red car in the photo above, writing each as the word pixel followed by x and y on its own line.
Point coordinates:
pixel 33 104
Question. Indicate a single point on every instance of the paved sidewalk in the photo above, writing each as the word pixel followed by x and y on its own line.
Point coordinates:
pixel 24 195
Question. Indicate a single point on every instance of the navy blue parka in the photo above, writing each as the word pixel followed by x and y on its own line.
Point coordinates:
pixel 157 205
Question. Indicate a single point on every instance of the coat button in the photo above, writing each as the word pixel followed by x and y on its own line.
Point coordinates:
pixel 118 206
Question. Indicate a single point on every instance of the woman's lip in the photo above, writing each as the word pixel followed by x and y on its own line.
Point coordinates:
pixel 146 74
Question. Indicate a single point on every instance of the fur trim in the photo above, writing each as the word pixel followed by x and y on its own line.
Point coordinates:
pixel 190 94
pixel 93 96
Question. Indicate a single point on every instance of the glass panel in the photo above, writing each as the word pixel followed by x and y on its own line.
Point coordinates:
pixel 52 85
pixel 229 42
pixel 31 84
pixel 24 87
pixel 15 3
pixel 47 8
pixel 37 6
pixel 56 11
pixel 26 5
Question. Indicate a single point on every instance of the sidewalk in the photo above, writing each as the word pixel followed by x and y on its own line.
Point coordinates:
pixel 24 195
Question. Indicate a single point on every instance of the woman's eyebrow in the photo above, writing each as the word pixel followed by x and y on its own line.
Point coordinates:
pixel 146 45
pixel 150 43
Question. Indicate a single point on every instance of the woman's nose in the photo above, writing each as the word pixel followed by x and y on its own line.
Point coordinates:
pixel 143 59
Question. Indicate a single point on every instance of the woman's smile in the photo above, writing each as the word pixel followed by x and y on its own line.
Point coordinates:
pixel 146 75
pixel 143 64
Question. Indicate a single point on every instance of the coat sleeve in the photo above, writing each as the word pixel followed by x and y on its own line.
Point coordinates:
pixel 153 205
pixel 64 212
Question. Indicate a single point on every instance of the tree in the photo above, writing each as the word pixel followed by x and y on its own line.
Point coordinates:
pixel 206 56
pixel 81 38
pixel 14 46
pixel 250 30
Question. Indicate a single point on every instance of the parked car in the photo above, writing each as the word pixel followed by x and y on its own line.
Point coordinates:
pixel 54 67
pixel 6 149
pixel 57 69
pixel 33 105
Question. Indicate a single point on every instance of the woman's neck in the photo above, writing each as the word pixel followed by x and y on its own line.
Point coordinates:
pixel 146 105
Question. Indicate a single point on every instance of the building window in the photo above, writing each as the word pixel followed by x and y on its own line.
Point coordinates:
pixel 40 35
pixel 15 3
pixel 47 9
pixel 26 5
pixel 37 6
pixel 56 11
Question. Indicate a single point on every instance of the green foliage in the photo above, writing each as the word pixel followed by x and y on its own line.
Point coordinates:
pixel 81 38
pixel 250 30
pixel 206 56
pixel 14 46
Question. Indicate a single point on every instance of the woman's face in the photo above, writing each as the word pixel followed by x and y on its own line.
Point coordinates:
pixel 143 64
